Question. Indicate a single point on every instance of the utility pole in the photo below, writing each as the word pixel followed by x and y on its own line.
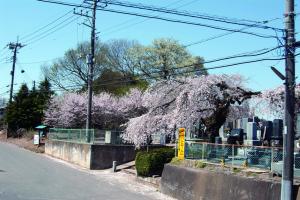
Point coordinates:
pixel 288 136
pixel 34 85
pixel 91 60
pixel 14 47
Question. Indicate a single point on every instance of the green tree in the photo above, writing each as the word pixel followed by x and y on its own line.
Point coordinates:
pixel 116 83
pixel 166 58
pixel 18 110
pixel 27 108
pixel 70 72
pixel 125 60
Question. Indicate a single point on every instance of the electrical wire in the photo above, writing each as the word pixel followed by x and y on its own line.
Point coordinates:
pixel 120 81
pixel 53 30
pixel 2 94
pixel 142 76
pixel 258 53
pixel 189 14
pixel 225 34
pixel 118 28
pixel 5 51
pixel 163 19
pixel 38 35
pixel 45 26
pixel 41 61
pixel 187 22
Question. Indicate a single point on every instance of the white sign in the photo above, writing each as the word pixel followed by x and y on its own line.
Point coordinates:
pixel 36 139
pixel 285 130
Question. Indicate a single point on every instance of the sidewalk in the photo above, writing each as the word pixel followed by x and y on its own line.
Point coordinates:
pixel 128 180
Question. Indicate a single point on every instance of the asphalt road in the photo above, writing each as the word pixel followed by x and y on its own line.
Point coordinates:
pixel 29 176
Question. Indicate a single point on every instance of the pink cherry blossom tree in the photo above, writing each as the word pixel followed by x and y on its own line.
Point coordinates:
pixel 69 110
pixel 162 108
pixel 271 102
pixel 182 102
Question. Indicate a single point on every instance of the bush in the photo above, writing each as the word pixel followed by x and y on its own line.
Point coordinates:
pixel 152 162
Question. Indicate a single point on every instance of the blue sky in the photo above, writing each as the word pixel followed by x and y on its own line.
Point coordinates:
pixel 23 18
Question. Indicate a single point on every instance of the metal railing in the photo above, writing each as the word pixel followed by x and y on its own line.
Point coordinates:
pixel 267 158
pixel 72 135
pixel 90 136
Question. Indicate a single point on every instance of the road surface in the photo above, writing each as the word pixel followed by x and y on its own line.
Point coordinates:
pixel 25 175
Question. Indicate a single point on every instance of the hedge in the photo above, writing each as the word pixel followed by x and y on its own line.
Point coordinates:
pixel 152 162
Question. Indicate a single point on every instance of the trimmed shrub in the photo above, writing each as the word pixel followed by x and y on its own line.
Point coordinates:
pixel 152 162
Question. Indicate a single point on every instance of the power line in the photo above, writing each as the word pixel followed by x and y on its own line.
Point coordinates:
pixel 54 29
pixel 223 34
pixel 31 37
pixel 2 94
pixel 41 61
pixel 190 14
pixel 5 51
pixel 258 53
pixel 139 22
pixel 45 26
pixel 188 23
pixel 245 54
pixel 142 76
pixel 163 19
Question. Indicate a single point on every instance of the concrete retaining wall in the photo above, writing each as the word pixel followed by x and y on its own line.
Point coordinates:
pixel 193 184
pixel 104 155
pixel 76 153
pixel 90 156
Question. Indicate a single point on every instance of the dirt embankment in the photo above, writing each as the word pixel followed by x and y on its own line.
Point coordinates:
pixel 23 142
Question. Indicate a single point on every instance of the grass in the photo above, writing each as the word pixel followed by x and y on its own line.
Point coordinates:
pixel 236 170
pixel 176 161
pixel 253 174
pixel 200 164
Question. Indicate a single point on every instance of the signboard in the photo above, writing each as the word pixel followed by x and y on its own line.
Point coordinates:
pixel 181 143
pixel 36 139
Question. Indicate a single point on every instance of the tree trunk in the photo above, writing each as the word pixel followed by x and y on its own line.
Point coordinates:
pixel 214 122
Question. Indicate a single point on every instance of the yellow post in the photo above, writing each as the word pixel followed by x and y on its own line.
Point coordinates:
pixel 181 143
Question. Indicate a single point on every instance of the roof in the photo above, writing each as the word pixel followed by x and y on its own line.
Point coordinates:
pixel 41 127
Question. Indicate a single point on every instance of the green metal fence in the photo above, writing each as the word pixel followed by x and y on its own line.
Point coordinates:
pixel 91 136
pixel 267 158
pixel 234 155
pixel 72 135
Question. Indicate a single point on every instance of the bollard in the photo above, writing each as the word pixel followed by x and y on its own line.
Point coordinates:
pixel 114 166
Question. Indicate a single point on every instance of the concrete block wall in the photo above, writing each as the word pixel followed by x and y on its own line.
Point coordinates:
pixel 102 156
pixel 193 184
pixel 76 153
pixel 90 156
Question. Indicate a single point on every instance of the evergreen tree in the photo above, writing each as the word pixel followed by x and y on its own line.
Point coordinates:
pixel 27 108
pixel 17 110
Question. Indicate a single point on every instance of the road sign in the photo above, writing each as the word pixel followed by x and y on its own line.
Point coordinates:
pixel 181 143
